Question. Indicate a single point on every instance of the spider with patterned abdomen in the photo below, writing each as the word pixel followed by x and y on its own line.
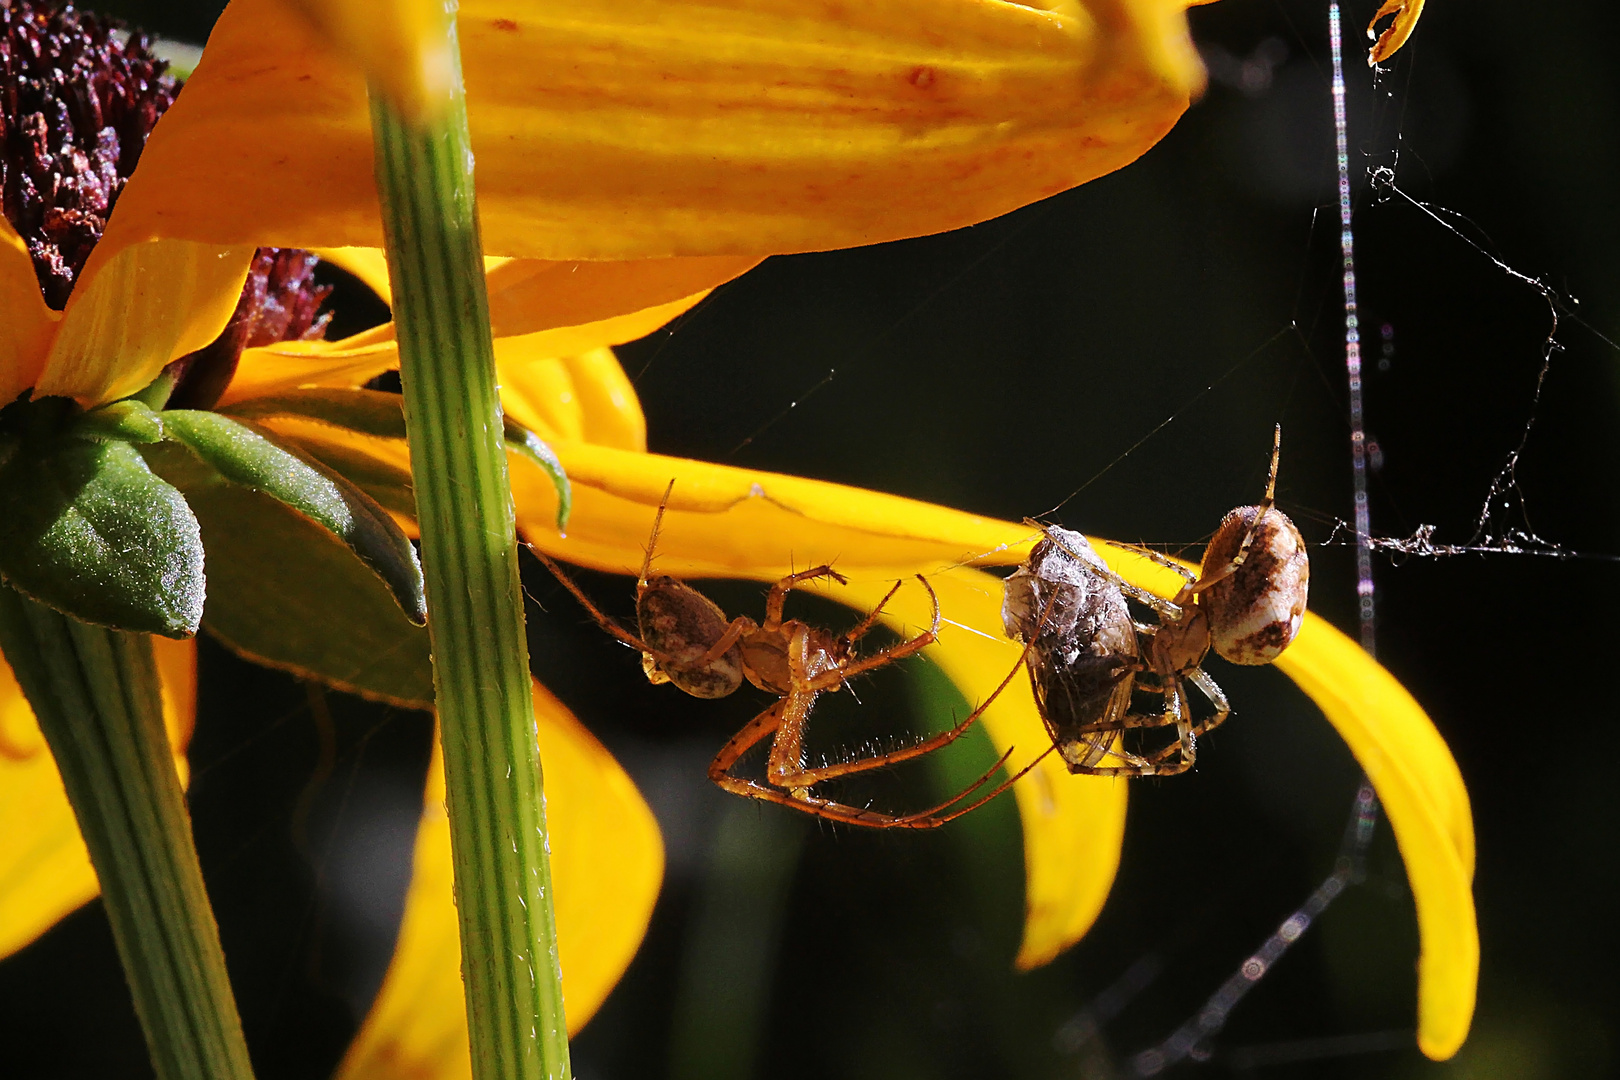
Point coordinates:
pixel 1085 653
pixel 686 639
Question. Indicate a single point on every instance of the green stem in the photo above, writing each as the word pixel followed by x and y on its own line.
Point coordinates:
pixel 475 608
pixel 96 694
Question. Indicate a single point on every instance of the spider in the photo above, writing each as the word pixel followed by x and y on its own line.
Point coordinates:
pixel 1085 657
pixel 685 638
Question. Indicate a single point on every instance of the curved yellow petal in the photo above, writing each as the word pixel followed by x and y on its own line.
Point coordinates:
pixel 1407 13
pixel 25 333
pixel 618 129
pixel 136 307
pixel 288 365
pixel 398 44
pixel 1427 807
pixel 529 295
pixel 585 397
pixel 369 264
pixel 1073 826
pixel 729 522
pixel 45 870
pixel 607 401
pixel 607 861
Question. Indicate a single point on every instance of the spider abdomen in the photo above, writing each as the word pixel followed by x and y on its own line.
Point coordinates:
pixel 683 624
pixel 1258 610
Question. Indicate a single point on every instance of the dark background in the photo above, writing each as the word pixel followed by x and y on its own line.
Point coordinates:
pixel 998 369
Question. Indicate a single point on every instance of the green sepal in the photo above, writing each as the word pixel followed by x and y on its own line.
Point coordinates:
pixel 381 415
pixel 86 528
pixel 130 420
pixel 247 455
pixel 286 593
pixel 533 447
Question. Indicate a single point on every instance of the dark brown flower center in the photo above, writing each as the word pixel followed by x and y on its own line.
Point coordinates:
pixel 77 102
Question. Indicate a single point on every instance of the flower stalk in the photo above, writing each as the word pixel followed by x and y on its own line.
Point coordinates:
pixel 95 692
pixel 494 791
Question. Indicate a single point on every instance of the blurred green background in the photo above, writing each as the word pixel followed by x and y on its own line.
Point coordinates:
pixel 999 369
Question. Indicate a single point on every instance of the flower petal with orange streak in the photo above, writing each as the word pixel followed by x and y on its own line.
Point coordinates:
pixel 607 862
pixel 25 332
pixel 135 308
pixel 614 129
pixel 45 870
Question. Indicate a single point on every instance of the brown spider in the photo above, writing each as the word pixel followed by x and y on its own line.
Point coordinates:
pixel 1084 655
pixel 686 639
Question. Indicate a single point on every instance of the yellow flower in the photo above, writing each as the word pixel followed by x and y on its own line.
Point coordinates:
pixel 685 140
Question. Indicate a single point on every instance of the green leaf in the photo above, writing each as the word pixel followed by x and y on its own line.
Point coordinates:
pixel 286 593
pixel 383 480
pixel 86 528
pixel 249 456
pixel 381 415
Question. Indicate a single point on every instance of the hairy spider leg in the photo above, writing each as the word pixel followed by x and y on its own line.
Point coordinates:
pixel 778 594
pixel 1193 588
pixel 762 726
pixel 652 541
pixel 785 769
pixel 596 613
pixel 864 627
pixel 828 680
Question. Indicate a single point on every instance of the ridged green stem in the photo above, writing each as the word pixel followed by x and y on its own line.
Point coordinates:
pixel 99 704
pixel 475 609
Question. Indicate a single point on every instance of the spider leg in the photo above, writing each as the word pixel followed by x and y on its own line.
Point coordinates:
pixel 741 625
pixel 829 679
pixel 763 726
pixel 652 541
pixel 866 624
pixel 602 620
pixel 778 594
pixel 1264 508
pixel 808 777
pixel 1217 697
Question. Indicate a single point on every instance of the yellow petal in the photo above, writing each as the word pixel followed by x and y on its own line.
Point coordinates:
pixel 398 44
pixel 25 332
pixel 609 129
pixel 1073 825
pixel 607 401
pixel 1407 13
pixel 288 365
pixel 1427 807
pixel 727 522
pixel 136 307
pixel 368 264
pixel 529 295
pixel 585 397
pixel 606 864
pixel 44 868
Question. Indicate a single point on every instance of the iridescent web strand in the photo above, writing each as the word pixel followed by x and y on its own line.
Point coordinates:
pixel 1192 1038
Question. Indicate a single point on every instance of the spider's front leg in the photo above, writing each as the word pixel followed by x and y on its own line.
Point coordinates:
pixel 830 680
pixel 777 597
